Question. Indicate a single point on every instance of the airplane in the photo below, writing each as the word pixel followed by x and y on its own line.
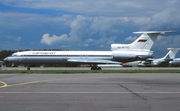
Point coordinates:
pixel 175 62
pixel 164 61
pixel 120 53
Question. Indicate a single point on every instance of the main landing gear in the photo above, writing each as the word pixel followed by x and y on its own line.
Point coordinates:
pixel 28 68
pixel 95 68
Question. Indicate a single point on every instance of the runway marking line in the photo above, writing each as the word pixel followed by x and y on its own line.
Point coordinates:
pixel 31 82
pixel 4 84
pixel 23 83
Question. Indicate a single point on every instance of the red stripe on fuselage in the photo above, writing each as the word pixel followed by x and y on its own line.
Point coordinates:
pixel 142 40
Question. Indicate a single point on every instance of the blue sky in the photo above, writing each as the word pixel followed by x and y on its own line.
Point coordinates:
pixel 86 25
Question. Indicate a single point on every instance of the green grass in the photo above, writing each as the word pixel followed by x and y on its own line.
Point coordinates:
pixel 86 71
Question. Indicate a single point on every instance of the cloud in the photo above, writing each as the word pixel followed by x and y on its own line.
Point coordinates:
pixel 91 24
pixel 130 38
pixel 89 40
pixel 12 38
pixel 101 26
pixel 87 32
pixel 46 39
pixel 164 42
pixel 104 42
pixel 93 7
pixel 167 19
pixel 18 39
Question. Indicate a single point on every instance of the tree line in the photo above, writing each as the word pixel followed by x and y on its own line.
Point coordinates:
pixel 6 53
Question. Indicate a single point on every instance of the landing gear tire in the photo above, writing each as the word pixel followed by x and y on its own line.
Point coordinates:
pixel 98 68
pixel 28 68
pixel 95 68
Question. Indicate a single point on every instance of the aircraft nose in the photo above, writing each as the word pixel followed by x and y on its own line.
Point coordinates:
pixel 6 60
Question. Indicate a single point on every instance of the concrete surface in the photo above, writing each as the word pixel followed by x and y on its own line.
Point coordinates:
pixel 88 68
pixel 90 92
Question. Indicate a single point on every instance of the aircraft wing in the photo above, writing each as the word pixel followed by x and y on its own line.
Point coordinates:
pixel 92 61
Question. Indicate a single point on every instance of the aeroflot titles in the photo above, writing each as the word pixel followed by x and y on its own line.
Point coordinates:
pixel 43 53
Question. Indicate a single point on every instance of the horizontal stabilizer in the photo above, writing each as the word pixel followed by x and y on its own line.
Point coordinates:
pixel 173 48
pixel 153 32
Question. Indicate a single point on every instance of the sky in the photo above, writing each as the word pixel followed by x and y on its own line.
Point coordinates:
pixel 86 24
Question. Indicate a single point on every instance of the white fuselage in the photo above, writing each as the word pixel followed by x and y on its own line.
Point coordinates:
pixel 62 57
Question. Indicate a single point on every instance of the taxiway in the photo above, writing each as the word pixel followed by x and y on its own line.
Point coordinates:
pixel 87 92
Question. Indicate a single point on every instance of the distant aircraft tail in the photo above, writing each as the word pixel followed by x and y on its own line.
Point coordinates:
pixel 172 53
pixel 145 41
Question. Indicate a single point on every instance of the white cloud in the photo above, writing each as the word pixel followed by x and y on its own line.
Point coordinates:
pixel 84 27
pixel 130 38
pixel 89 40
pixel 167 19
pixel 164 42
pixel 104 42
pixel 46 39
pixel 18 39
pixel 86 45
pixel 89 23
pixel 87 31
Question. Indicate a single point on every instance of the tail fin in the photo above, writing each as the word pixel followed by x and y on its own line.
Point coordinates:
pixel 172 53
pixel 145 41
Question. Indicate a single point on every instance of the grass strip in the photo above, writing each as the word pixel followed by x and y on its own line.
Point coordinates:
pixel 86 71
